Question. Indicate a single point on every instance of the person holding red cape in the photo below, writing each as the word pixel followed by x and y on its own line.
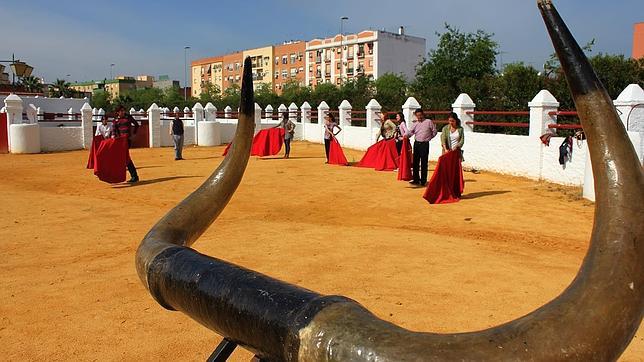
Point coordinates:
pixel 404 149
pixel 329 133
pixel 382 155
pixel 447 184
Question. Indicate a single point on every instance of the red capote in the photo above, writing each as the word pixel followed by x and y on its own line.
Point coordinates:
pixel 111 159
pixel 96 142
pixel 336 155
pixel 267 142
pixel 447 181
pixel 381 156
pixel 404 167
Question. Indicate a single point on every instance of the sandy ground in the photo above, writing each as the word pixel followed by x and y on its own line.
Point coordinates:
pixel 67 241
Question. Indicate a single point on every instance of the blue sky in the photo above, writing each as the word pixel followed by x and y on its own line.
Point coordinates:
pixel 82 39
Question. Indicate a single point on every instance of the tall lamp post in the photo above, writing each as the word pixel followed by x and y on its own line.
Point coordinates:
pixel 342 19
pixel 18 68
pixel 111 71
pixel 185 73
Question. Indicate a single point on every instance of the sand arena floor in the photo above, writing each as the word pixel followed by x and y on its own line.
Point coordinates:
pixel 67 242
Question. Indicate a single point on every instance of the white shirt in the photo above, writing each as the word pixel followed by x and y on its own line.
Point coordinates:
pixel 104 130
pixel 454 138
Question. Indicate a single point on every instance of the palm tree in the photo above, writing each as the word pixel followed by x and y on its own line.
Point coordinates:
pixel 31 84
pixel 61 88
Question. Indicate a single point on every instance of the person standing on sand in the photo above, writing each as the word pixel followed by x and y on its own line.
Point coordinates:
pixel 423 131
pixel 125 125
pixel 176 131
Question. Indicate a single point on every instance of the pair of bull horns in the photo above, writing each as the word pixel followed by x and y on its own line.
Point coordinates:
pixel 593 319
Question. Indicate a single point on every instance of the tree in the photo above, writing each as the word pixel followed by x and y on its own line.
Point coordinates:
pixel 326 92
pixel 61 88
pixel 458 56
pixel 231 97
pixel 358 91
pixel 31 84
pixel 101 99
pixel 209 93
pixel 293 92
pixel 391 91
pixel 264 96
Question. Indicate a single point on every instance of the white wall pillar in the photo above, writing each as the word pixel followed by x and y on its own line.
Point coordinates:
pixel 154 125
pixel 280 111
pixel 87 125
pixel 268 112
pixel 95 115
pixel 461 106
pixel 373 110
pixel 186 111
pixel 40 114
pixel 258 118
pixel 227 112
pixel 344 113
pixel 13 108
pixel 540 108
pixel 631 116
pixel 70 114
pixel 197 116
pixel 323 109
pixel 101 114
pixel 210 112
pixel 408 110
pixel 292 112
pixel 306 112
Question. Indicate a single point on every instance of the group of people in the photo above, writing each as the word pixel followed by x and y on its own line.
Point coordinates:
pixel 124 125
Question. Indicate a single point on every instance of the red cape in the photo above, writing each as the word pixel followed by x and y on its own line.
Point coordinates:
pixel 381 156
pixel 267 142
pixel 447 181
pixel 96 142
pixel 336 155
pixel 404 168
pixel 110 160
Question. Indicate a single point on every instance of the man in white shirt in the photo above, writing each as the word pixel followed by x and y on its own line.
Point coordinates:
pixel 104 129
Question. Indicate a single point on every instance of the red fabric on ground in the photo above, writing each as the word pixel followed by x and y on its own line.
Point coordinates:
pixel 267 142
pixel 336 155
pixel 110 160
pixel 381 156
pixel 96 142
pixel 447 181
pixel 405 163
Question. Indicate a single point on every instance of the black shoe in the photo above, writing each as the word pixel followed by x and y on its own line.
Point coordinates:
pixel 134 180
pixel 422 184
pixel 413 182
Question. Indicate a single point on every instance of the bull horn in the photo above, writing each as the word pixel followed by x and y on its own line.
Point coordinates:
pixel 593 319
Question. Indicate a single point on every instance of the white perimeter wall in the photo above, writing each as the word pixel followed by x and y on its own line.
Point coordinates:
pixel 61 138
pixel 51 105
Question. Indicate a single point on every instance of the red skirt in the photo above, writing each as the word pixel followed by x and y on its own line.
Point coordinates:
pixel 446 184
pixel 404 167
pixel 336 155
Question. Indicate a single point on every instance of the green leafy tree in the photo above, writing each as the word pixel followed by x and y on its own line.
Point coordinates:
pixel 230 97
pixel 264 95
pixel 209 93
pixel 61 88
pixel 358 91
pixel 391 91
pixel 458 56
pixel 326 92
pixel 101 99
pixel 31 84
pixel 293 92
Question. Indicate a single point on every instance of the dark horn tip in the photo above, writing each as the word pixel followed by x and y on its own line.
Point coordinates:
pixel 247 102
pixel 544 3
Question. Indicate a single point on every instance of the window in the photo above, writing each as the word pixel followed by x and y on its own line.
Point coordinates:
pixel 237 66
pixel 277 60
pixel 277 74
pixel 284 59
pixel 370 63
pixel 338 81
pixel 310 68
pixel 293 72
pixel 284 73
pixel 370 46
pixel 300 70
pixel 293 58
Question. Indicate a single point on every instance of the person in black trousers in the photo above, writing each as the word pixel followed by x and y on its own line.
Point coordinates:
pixel 176 131
pixel 125 125
pixel 423 131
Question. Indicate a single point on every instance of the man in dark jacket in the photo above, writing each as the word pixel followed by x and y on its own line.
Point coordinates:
pixel 125 125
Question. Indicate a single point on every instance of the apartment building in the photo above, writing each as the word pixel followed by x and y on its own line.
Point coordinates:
pixel 289 64
pixel 208 70
pixel 638 41
pixel 370 53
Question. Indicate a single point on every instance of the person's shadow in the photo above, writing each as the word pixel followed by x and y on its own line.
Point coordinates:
pixel 476 195
pixel 151 181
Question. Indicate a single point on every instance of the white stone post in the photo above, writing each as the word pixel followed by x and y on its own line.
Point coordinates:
pixel 306 118
pixel 210 112
pixel 70 114
pixel 280 111
pixel 462 106
pixel 32 113
pixel 227 112
pixel 258 118
pixel 186 111
pixel 344 113
pixel 197 116
pixel 541 106
pixel 292 112
pixel 323 109
pixel 373 109
pixel 411 105
pixel 633 118
pixel 154 125
pixel 132 111
pixel 268 112
pixel 101 114
pixel 40 114
pixel 87 125
pixel 95 115
pixel 13 108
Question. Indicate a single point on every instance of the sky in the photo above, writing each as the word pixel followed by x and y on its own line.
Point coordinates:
pixel 78 41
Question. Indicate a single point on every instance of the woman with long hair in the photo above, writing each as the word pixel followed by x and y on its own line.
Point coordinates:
pixel 329 132
pixel 447 183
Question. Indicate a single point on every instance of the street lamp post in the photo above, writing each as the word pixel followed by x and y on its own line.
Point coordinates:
pixel 185 73
pixel 111 71
pixel 342 19
pixel 18 68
